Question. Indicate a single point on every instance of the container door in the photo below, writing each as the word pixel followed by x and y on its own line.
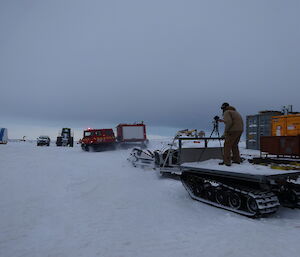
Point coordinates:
pixel 252 132
pixel 279 126
pixel 293 125
pixel 265 125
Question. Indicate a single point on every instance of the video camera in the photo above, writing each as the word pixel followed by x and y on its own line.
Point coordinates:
pixel 216 118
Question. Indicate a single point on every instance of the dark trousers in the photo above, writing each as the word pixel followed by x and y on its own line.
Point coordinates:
pixel 231 145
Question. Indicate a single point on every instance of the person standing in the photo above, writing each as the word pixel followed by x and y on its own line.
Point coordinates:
pixel 234 127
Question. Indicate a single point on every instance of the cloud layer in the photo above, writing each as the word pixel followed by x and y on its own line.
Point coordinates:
pixel 167 62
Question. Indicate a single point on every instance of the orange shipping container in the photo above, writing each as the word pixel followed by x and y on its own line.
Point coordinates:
pixel 293 125
pixel 286 125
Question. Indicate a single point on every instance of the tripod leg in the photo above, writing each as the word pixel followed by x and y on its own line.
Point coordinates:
pixel 212 131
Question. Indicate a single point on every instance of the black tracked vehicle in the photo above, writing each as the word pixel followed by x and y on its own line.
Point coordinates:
pixel 65 138
pixel 239 188
pixel 249 194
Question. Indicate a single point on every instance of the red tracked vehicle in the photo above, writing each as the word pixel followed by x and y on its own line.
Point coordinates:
pixel 98 139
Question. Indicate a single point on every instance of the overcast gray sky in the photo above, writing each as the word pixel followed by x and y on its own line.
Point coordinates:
pixel 167 62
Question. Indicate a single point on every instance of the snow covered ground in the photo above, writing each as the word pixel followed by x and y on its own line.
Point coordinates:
pixel 63 202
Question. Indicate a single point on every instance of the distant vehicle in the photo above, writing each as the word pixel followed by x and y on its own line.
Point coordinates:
pixel 98 139
pixel 127 135
pixel 65 138
pixel 23 139
pixel 3 136
pixel 132 134
pixel 43 140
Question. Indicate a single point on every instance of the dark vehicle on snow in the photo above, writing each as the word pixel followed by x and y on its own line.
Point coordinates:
pixel 43 140
pixel 65 138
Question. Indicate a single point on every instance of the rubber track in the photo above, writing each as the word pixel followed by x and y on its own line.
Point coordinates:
pixel 266 201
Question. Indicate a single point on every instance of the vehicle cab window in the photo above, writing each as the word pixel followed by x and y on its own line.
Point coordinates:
pixel 88 133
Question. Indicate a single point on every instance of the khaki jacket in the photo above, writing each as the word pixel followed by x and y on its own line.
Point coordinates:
pixel 233 120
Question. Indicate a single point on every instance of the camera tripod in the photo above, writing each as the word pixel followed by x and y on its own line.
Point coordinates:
pixel 216 131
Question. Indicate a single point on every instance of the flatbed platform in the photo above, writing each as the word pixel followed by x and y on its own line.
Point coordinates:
pixel 245 171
